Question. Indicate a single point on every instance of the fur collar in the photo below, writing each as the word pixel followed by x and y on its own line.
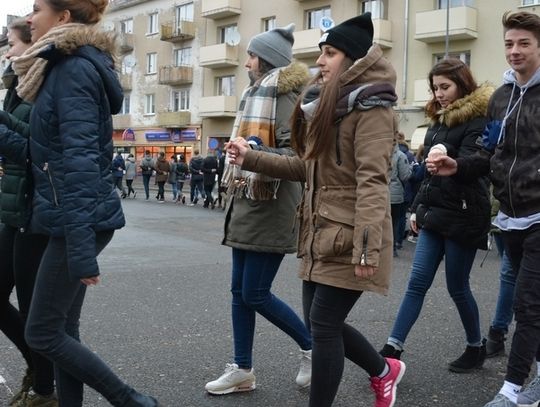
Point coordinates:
pixel 87 35
pixel 293 78
pixel 465 109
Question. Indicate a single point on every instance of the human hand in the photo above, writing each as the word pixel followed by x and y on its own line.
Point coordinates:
pixel 236 150
pixel 90 281
pixel 364 271
pixel 441 165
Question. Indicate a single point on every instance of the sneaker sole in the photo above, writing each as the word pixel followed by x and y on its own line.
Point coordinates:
pixel 242 387
pixel 303 386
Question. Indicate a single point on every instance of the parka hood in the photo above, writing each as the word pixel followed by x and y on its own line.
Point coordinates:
pixel 374 67
pixel 293 78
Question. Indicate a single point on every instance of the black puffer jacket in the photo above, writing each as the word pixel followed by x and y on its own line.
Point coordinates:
pixel 457 208
pixel 15 188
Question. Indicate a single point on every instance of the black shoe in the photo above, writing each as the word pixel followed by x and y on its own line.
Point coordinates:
pixel 195 201
pixel 134 194
pixel 472 358
pixel 388 351
pixel 183 200
pixel 495 342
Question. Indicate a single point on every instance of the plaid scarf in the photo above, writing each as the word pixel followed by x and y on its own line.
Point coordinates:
pixel 256 116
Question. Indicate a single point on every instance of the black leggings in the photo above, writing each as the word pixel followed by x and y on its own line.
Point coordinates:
pixel 325 310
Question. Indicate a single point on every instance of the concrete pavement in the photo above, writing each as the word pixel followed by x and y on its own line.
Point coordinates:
pixel 161 320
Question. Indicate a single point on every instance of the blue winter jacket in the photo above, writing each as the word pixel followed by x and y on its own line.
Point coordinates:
pixel 71 148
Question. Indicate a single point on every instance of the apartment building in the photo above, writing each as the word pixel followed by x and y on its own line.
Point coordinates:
pixel 181 62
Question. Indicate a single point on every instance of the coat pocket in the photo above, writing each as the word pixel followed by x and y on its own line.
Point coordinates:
pixel 334 236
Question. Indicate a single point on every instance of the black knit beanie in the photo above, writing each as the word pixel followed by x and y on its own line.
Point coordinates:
pixel 354 37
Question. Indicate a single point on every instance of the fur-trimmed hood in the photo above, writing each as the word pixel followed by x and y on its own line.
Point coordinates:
pixel 92 35
pixel 293 78
pixel 465 109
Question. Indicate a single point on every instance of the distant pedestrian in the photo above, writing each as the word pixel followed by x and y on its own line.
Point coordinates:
pixel 118 169
pixel 131 173
pixel 221 189
pixel 209 168
pixel 196 181
pixel 147 169
pixel 163 169
pixel 182 171
pixel 400 174
pixel 173 176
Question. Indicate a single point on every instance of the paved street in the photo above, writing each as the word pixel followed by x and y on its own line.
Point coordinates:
pixel 160 318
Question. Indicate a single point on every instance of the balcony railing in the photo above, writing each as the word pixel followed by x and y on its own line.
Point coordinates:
pixel 121 121
pixel 306 43
pixel 382 33
pixel 175 75
pixel 431 25
pixel 216 9
pixel 126 42
pixel 217 106
pixel 185 30
pixel 219 56
pixel 173 119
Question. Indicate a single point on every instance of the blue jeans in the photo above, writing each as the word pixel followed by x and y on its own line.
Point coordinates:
pixel 174 188
pixel 507 284
pixel 146 184
pixel 252 277
pixel 430 250
pixel 53 330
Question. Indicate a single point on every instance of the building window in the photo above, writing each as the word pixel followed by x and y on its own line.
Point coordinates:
pixel 126 26
pixel 377 8
pixel 226 32
pixel 456 3
pixel 530 2
pixel 268 23
pixel 184 13
pixel 226 86
pixel 125 104
pixel 464 56
pixel 313 17
pixel 180 100
pixel 151 63
pixel 153 23
pixel 182 57
pixel 149 104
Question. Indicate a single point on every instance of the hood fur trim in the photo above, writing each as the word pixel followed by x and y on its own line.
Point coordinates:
pixel 87 35
pixel 467 108
pixel 293 78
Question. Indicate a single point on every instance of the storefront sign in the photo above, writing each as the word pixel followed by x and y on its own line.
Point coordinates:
pixel 213 143
pixel 157 136
pixel 188 135
pixel 176 138
pixel 128 135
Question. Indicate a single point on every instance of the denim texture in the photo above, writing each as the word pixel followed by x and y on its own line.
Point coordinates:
pixel 146 184
pixel 194 187
pixel 252 277
pixel 53 330
pixel 523 249
pixel 326 308
pixel 507 283
pixel 431 248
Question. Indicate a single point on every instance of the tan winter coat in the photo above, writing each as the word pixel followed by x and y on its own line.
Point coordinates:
pixel 345 211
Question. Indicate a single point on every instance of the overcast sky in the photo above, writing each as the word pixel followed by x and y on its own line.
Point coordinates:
pixel 16 7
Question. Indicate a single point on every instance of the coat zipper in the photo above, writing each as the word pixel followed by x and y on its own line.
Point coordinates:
pixel 363 257
pixel 46 169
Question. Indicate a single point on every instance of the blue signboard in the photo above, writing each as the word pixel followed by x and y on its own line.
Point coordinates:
pixel 188 135
pixel 157 136
pixel 176 137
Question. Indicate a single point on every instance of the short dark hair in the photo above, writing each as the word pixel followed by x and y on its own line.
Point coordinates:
pixel 23 29
pixel 522 20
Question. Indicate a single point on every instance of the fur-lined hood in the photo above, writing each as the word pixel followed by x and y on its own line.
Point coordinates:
pixel 87 35
pixel 293 78
pixel 465 109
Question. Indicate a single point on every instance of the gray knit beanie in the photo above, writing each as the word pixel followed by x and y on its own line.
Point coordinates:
pixel 274 46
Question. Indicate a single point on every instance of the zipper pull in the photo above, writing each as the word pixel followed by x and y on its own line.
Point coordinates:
pixel 45 166
pixel 363 257
pixel 464 205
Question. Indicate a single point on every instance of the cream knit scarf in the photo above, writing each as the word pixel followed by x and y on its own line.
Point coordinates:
pixel 30 68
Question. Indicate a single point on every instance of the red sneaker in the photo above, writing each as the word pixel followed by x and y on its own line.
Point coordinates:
pixel 385 387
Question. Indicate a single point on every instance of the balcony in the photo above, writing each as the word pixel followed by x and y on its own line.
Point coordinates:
pixel 306 43
pixel 431 25
pixel 173 119
pixel 175 75
pixel 217 106
pixel 216 9
pixel 185 30
pixel 125 42
pixel 218 56
pixel 422 92
pixel 125 81
pixel 121 121
pixel 382 33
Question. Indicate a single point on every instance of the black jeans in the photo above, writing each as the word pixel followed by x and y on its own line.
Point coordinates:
pixel 523 249
pixel 326 307
pixel 129 183
pixel 53 330
pixel 21 254
pixel 118 184
pixel 209 200
pixel 161 190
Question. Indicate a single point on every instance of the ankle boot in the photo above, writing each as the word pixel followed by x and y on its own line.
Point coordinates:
pixel 472 358
pixel 388 351
pixel 495 342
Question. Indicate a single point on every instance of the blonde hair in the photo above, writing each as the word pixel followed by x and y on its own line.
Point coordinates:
pixel 82 11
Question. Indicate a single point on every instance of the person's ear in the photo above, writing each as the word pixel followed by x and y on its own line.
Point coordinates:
pixel 64 17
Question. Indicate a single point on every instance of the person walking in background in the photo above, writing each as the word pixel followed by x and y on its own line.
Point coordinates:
pixel 182 171
pixel 400 174
pixel 20 250
pixel 221 188
pixel 452 214
pixel 131 173
pixel 147 169
pixel 74 200
pixel 260 219
pixel 162 174
pixel 173 176
pixel 196 182
pixel 209 168
pixel 510 156
pixel 343 131
pixel 119 167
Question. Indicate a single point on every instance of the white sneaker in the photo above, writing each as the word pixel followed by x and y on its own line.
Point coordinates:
pixel 303 379
pixel 233 380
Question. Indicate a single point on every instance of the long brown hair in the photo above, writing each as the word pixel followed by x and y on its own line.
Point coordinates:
pixel 81 11
pixel 311 141
pixel 459 73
